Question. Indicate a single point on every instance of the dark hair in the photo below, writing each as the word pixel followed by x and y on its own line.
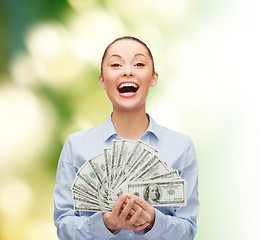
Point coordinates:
pixel 127 38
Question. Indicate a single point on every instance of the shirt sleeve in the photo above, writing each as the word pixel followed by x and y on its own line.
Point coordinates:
pixel 71 224
pixel 182 224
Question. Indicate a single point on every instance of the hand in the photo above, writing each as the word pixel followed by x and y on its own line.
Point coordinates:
pixel 147 215
pixel 118 219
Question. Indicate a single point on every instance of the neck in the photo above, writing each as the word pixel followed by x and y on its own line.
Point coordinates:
pixel 131 124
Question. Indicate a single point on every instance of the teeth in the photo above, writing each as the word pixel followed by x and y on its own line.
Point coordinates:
pixel 128 93
pixel 128 85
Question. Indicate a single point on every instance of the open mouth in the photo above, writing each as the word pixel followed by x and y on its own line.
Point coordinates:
pixel 127 88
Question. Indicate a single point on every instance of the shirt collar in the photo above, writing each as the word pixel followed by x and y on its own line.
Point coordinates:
pixel 109 129
pixel 153 127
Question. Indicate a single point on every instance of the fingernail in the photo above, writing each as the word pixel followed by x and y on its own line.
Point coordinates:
pixel 140 210
pixel 132 200
pixel 124 195
pixel 127 194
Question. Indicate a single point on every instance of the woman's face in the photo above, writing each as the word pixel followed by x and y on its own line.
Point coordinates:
pixel 127 74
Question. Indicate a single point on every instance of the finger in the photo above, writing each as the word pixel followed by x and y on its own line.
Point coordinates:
pixel 127 209
pixel 132 210
pixel 131 213
pixel 138 224
pixel 139 228
pixel 141 220
pixel 119 203
pixel 128 216
pixel 136 216
pixel 149 211
pixel 135 206
pixel 145 216
pixel 141 202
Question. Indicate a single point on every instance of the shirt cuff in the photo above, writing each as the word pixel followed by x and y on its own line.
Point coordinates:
pixel 98 227
pixel 158 228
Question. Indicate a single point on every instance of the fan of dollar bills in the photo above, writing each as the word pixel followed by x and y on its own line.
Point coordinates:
pixel 127 166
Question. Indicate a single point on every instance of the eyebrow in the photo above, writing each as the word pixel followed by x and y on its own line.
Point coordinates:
pixel 138 54
pixel 115 55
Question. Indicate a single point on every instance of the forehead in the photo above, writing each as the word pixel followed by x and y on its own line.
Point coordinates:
pixel 127 47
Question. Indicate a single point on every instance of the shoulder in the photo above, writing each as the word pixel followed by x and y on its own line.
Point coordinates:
pixel 170 136
pixel 176 148
pixel 86 134
pixel 170 143
pixel 172 133
pixel 83 145
pixel 87 143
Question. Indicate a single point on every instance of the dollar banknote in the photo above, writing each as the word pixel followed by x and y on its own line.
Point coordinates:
pixel 126 166
pixel 164 193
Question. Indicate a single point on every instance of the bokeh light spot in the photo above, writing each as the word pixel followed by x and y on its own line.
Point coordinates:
pixel 16 198
pixel 24 125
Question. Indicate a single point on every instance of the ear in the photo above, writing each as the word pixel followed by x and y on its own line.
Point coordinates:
pixel 101 82
pixel 154 79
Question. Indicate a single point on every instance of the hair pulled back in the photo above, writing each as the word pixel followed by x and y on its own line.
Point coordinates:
pixel 127 38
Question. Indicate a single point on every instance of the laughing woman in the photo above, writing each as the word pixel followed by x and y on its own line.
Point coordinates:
pixel 127 73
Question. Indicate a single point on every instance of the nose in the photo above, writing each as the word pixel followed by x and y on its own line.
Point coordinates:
pixel 128 72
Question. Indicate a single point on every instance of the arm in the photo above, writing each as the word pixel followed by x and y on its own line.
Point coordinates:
pixel 179 223
pixel 73 224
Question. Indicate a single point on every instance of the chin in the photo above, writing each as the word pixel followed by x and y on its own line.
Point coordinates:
pixel 130 107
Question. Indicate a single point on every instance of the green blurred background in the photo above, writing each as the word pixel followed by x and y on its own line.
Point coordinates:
pixel 208 56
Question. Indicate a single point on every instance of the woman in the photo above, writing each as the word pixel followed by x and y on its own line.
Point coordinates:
pixel 127 73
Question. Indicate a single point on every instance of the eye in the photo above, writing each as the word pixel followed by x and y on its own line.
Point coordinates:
pixel 140 64
pixel 115 65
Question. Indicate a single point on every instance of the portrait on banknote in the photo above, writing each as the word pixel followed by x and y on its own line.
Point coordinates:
pixel 152 193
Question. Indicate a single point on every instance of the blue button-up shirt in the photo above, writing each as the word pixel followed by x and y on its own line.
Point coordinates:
pixel 178 223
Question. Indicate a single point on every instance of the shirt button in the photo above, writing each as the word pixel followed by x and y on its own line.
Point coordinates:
pixel 130 234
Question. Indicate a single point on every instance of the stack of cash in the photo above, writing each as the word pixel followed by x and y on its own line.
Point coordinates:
pixel 127 166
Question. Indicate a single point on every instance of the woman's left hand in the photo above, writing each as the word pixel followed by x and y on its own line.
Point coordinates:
pixel 148 213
